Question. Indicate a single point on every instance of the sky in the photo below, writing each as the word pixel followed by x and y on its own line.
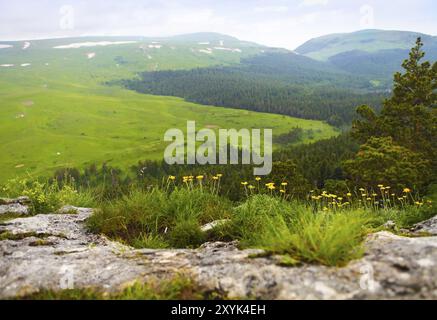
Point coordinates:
pixel 276 23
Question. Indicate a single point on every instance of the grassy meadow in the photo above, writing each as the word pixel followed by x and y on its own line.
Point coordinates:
pixel 58 112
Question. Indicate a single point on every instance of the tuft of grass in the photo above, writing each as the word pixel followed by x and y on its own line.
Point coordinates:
pixel 331 239
pixel 160 219
pixel 177 288
pixel 186 234
pixel 282 227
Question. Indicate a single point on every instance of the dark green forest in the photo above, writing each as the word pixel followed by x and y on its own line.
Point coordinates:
pixel 280 83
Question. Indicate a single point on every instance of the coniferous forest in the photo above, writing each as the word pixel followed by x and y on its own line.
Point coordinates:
pixel 281 83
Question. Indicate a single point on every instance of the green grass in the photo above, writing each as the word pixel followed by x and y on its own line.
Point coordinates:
pixel 71 119
pixel 161 219
pixel 157 219
pixel 48 197
pixel 291 228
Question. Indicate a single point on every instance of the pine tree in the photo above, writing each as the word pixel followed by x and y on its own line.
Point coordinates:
pixel 409 117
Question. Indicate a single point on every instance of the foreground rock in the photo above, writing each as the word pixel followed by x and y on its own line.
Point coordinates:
pixel 14 206
pixel 56 252
pixel 429 227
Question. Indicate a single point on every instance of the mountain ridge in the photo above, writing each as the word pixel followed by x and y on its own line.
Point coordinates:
pixel 370 40
pixel 188 37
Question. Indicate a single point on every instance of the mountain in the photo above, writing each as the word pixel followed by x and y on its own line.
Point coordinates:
pixel 372 53
pixel 119 57
pixel 370 41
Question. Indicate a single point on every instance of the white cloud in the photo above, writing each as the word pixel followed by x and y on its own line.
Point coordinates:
pixel 315 2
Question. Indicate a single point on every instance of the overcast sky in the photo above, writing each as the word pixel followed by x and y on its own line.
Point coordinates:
pixel 281 23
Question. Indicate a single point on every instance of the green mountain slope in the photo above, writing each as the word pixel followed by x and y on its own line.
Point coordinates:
pixel 56 110
pixel 370 41
pixel 375 54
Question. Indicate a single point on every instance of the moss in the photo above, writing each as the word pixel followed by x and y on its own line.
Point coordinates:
pixel 265 254
pixel 408 234
pixel 64 253
pixel 41 243
pixel 288 261
pixel 69 212
pixel 9 216
pixel 177 288
pixel 21 236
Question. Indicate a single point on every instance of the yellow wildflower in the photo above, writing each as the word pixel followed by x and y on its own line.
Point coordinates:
pixel 406 190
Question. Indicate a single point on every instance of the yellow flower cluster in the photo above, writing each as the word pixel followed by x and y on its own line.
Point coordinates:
pixel 271 187
pixel 385 199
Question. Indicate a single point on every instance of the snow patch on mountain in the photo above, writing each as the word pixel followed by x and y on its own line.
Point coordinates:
pixel 93 44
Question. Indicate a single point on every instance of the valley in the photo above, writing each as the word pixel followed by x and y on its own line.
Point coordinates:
pixel 57 110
